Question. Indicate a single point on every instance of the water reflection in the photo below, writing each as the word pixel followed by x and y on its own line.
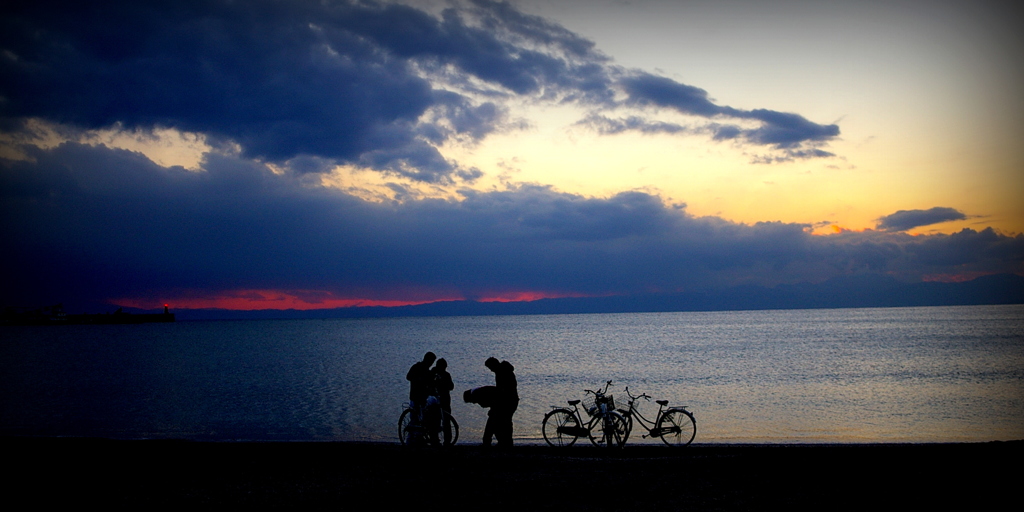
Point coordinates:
pixel 898 374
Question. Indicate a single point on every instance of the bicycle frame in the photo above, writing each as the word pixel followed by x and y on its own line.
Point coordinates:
pixel 633 412
pixel 585 427
pixel 650 426
pixel 412 428
pixel 602 415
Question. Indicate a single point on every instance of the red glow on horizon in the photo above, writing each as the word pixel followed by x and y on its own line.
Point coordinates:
pixel 251 300
pixel 952 278
pixel 528 296
pixel 305 300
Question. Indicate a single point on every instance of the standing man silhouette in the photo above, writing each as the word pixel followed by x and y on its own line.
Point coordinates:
pixel 499 419
pixel 443 386
pixel 421 385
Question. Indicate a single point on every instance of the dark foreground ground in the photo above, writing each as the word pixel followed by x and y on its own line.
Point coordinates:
pixel 137 474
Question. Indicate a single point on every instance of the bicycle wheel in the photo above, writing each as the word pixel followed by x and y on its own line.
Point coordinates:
pixel 629 422
pixel 677 427
pixel 454 425
pixel 559 427
pixel 404 421
pixel 609 431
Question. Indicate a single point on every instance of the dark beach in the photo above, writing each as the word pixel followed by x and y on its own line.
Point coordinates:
pixel 77 471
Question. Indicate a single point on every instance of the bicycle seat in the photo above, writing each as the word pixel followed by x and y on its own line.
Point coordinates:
pixel 661 402
pixel 573 402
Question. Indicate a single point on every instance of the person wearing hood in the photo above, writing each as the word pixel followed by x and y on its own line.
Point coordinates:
pixel 499 419
pixel 421 386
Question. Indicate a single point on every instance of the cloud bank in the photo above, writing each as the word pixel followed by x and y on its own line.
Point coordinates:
pixel 283 90
pixel 90 222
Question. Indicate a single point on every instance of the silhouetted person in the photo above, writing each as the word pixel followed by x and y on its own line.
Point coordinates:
pixel 443 386
pixel 484 396
pixel 506 401
pixel 421 385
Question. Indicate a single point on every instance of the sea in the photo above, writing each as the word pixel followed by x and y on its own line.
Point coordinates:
pixel 876 375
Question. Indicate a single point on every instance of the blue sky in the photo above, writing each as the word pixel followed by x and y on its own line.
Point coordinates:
pixel 304 154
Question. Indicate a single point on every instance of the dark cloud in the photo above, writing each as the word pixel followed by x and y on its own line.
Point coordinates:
pixel 789 155
pixel 781 130
pixel 785 130
pixel 503 16
pixel 788 152
pixel 726 132
pixel 648 89
pixel 794 150
pixel 282 79
pixel 967 252
pixel 354 82
pixel 966 245
pixel 609 126
pixel 93 223
pixel 257 73
pixel 910 219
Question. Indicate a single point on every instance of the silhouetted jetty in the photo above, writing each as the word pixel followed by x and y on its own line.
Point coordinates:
pixel 55 315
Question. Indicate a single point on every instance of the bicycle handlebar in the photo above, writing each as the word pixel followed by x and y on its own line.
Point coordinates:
pixel 602 392
pixel 645 396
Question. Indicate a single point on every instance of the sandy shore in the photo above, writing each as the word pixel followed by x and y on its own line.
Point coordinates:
pixel 357 476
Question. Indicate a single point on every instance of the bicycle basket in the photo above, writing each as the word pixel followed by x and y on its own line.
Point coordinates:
pixel 590 404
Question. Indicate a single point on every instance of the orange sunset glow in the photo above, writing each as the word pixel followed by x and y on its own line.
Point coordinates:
pixel 382 153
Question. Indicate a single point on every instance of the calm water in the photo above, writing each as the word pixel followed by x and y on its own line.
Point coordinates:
pixel 852 375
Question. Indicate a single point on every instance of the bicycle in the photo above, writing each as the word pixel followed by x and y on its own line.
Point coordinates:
pixel 606 427
pixel 411 432
pixel 675 426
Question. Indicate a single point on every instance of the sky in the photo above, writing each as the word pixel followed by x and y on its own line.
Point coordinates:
pixel 300 154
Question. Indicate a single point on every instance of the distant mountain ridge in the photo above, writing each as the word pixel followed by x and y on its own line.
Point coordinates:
pixel 843 292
